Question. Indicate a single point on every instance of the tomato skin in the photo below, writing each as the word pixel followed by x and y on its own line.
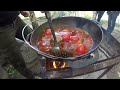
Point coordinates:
pixel 40 45
pixel 48 32
pixel 81 49
pixel 66 37
pixel 74 38
pixel 61 44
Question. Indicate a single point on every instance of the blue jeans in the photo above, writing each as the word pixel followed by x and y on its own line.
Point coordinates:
pixel 111 21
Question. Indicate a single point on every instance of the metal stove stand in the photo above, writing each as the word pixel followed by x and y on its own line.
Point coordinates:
pixel 109 47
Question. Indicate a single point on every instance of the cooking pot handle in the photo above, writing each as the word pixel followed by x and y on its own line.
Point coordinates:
pixel 29 36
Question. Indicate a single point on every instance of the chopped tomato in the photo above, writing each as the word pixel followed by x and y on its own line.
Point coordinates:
pixel 66 37
pixel 74 38
pixel 40 45
pixel 78 34
pixel 81 49
pixel 61 44
pixel 48 32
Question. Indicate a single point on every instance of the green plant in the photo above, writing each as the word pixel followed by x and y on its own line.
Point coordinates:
pixel 11 71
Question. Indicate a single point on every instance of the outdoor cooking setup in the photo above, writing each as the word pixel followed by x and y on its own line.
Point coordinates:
pixel 58 67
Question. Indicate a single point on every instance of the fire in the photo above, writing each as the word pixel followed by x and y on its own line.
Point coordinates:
pixel 57 64
pixel 52 64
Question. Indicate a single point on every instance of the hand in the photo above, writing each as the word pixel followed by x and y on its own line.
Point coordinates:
pixel 25 13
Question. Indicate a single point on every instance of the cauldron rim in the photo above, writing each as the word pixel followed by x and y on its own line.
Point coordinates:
pixel 69 58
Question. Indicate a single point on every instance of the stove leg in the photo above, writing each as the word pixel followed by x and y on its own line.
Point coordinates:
pixel 43 73
pixel 106 71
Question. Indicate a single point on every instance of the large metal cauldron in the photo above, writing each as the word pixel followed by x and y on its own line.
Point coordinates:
pixel 93 28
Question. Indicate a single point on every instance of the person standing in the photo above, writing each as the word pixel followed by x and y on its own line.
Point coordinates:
pixel 10 25
pixel 112 16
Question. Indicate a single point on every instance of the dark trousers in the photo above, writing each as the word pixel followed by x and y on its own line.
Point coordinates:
pixel 99 15
pixel 111 21
pixel 9 48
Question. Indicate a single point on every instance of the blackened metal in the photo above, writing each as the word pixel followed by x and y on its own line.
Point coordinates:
pixel 43 72
pixel 100 65
pixel 110 44
pixel 106 71
pixel 92 58
pixel 103 51
pixel 92 28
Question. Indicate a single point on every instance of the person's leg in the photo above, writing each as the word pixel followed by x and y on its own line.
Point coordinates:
pixel 12 51
pixel 113 21
pixel 114 17
pixel 113 24
pixel 100 14
pixel 16 59
pixel 109 23
pixel 3 73
pixel 20 24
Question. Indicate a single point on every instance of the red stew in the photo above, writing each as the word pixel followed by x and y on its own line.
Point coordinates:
pixel 73 39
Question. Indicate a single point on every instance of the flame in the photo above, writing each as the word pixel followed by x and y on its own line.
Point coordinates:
pixel 55 65
pixel 64 64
